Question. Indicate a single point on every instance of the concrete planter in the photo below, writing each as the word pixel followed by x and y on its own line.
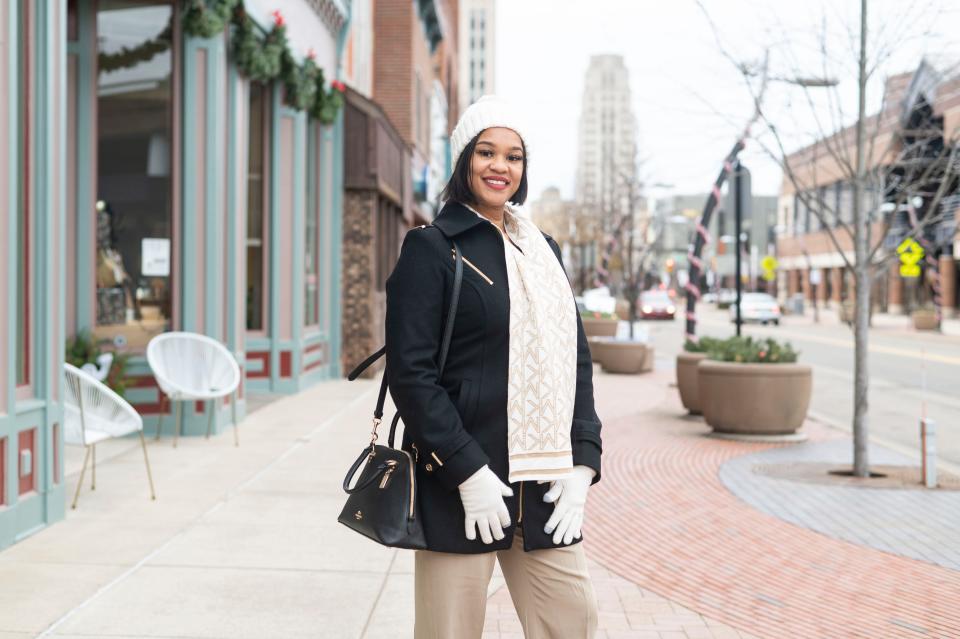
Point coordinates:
pixel 754 399
pixel 925 320
pixel 596 327
pixel 621 356
pixel 596 348
pixel 687 380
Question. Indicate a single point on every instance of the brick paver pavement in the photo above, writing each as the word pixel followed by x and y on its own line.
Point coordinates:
pixel 662 519
pixel 626 611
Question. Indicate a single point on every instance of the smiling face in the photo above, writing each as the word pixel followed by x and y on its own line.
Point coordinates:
pixel 496 167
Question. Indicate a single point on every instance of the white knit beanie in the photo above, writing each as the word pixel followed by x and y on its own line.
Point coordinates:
pixel 487 112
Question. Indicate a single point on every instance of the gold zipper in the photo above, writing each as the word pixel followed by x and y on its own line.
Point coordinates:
pixel 471 265
pixel 520 515
pixel 391 466
pixel 413 481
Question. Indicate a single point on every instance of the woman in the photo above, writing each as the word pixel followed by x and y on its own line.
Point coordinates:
pixel 507 442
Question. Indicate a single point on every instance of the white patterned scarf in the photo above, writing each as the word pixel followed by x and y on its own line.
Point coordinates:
pixel 543 355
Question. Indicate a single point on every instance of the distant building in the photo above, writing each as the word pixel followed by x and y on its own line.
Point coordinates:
pixel 607 147
pixel 918 101
pixel 477 50
pixel 415 74
pixel 400 60
pixel 676 223
pixel 575 233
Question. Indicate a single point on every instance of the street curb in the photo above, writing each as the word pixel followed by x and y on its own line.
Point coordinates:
pixel 793 438
pixel 886 443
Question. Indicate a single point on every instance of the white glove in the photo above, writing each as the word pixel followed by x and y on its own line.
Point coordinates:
pixel 482 495
pixel 570 494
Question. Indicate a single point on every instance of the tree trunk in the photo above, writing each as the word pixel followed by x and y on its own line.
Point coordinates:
pixel 861 374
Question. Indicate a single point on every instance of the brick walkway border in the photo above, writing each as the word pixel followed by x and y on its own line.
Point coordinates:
pixel 662 519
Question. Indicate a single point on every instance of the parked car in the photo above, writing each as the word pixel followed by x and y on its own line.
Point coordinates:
pixel 756 307
pixel 709 298
pixel 599 300
pixel 726 297
pixel 656 305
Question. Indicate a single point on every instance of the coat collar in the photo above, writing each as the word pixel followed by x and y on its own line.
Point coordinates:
pixel 454 218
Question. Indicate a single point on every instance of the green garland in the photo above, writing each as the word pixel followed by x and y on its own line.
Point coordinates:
pixel 300 82
pixel 258 59
pixel 266 58
pixel 130 57
pixel 327 102
pixel 205 19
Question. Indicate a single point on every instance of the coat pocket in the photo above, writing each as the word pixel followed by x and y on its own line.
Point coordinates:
pixel 467 402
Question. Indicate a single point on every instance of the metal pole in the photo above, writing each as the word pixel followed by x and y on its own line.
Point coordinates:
pixel 738 214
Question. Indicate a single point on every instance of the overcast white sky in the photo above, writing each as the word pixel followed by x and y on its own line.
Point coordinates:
pixel 689 100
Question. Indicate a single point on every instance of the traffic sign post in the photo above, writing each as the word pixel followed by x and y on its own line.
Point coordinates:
pixel 911 253
pixel 769 266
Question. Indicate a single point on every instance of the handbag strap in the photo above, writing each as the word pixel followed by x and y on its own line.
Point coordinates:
pixel 444 347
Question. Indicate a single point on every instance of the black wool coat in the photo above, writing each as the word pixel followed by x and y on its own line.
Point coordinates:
pixel 455 424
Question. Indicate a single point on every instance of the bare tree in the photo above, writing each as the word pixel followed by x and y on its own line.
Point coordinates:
pixel 895 157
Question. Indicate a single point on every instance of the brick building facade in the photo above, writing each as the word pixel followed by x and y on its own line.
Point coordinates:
pixel 396 156
pixel 919 101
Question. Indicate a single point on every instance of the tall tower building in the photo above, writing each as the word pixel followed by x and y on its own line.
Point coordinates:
pixel 606 161
pixel 477 45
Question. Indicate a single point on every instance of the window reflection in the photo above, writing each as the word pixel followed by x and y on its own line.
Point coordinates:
pixel 256 194
pixel 133 211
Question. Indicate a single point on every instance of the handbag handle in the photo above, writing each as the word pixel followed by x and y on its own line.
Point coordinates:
pixel 444 350
pixel 353 470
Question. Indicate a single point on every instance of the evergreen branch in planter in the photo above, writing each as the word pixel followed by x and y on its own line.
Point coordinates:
pixel 702 345
pixel 746 350
pixel 598 315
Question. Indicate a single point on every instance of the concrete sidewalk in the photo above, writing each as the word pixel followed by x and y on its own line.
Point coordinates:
pixel 243 542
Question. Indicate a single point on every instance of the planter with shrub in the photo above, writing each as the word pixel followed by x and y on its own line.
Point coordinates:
pixel 687 362
pixel 753 387
pixel 599 324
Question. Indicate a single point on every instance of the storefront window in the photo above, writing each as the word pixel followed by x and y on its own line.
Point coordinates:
pixel 134 135
pixel 23 200
pixel 256 203
pixel 311 266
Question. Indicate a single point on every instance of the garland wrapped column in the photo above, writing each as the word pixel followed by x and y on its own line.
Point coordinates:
pixel 932 263
pixel 702 237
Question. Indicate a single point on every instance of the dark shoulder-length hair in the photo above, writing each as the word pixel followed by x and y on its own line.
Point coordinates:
pixel 458 186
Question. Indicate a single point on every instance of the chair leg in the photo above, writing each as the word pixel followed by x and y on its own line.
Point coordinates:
pixel 83 471
pixel 177 426
pixel 211 407
pixel 93 468
pixel 233 415
pixel 146 460
pixel 163 400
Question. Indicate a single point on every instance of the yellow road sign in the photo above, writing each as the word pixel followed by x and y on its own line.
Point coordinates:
pixel 910 251
pixel 909 270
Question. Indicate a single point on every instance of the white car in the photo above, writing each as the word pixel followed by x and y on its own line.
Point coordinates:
pixel 756 307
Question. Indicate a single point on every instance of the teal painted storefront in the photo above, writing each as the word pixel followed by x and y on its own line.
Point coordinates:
pixel 208 241
pixel 32 134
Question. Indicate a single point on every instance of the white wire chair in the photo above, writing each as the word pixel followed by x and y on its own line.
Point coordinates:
pixel 93 413
pixel 189 367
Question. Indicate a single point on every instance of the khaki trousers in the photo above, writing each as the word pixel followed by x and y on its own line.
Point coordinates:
pixel 550 588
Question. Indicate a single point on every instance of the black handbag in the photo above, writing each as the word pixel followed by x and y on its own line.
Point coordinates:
pixel 382 505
